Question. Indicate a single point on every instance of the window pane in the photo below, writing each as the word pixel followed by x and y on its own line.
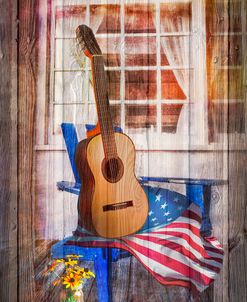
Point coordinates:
pixel 175 51
pixel 116 114
pixel 140 51
pixel 68 18
pixel 140 116
pixel 105 18
pixel 114 84
pixel 140 85
pixel 139 18
pixel 170 115
pixel 170 88
pixel 68 55
pixel 74 113
pixel 175 17
pixel 110 48
pixel 70 87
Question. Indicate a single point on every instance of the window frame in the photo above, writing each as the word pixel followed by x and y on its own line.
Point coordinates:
pixel 151 139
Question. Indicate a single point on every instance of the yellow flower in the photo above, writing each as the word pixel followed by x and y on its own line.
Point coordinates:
pixel 71 262
pixel 84 272
pixel 72 281
pixel 73 256
pixel 56 282
pixel 60 260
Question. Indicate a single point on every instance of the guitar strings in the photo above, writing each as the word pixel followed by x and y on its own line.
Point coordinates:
pixel 108 135
pixel 104 108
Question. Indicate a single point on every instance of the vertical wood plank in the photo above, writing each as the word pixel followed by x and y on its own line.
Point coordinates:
pixel 26 110
pixel 237 191
pixel 8 151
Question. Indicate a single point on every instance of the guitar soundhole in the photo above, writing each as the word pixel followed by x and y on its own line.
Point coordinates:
pixel 112 169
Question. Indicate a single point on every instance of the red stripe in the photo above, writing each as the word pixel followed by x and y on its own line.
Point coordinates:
pixel 214 250
pixel 191 215
pixel 181 225
pixel 180 249
pixel 172 263
pixel 186 237
pixel 163 280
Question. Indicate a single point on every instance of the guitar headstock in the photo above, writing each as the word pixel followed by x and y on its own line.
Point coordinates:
pixel 87 41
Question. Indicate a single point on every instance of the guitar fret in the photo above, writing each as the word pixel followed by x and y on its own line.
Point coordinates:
pixel 103 107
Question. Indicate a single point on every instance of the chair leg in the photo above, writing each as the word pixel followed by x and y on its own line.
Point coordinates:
pixel 201 195
pixel 102 266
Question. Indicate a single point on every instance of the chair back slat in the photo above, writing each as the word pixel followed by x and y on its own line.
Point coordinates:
pixel 71 141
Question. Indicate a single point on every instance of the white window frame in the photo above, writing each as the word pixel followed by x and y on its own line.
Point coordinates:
pixel 153 138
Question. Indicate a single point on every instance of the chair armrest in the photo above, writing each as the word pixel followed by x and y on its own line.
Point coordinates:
pixel 71 187
pixel 186 181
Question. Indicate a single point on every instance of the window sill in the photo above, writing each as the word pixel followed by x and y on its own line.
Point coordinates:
pixel 202 148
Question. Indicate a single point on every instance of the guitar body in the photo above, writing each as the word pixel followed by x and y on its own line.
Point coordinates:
pixel 112 203
pixel 110 206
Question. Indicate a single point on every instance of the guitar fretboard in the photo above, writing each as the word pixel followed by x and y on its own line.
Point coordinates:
pixel 103 106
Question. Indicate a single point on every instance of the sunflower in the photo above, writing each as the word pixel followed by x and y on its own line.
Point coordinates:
pixel 83 272
pixel 72 280
pixel 71 262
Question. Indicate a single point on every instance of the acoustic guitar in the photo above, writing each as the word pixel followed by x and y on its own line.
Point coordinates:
pixel 112 203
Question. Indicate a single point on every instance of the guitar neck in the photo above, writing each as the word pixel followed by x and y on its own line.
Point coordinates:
pixel 103 106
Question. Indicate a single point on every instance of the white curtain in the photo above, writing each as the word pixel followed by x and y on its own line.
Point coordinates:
pixel 177 51
pixel 176 48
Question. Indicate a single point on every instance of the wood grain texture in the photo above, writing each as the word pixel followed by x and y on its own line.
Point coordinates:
pixel 26 109
pixel 23 262
pixel 113 223
pixel 8 151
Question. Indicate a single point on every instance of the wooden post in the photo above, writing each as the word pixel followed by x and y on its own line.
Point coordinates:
pixel 26 109
pixel 8 151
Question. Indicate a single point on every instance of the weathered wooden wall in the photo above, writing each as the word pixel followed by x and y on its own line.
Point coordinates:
pixel 29 198
pixel 8 151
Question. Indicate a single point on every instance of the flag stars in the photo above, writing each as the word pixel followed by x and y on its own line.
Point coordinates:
pixel 150 213
pixel 158 198
pixel 164 205
pixel 167 213
pixel 154 219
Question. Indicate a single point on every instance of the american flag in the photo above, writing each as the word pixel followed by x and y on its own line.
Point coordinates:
pixel 169 245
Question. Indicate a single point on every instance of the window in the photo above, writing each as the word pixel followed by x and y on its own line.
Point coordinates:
pixel 226 78
pixel 155 59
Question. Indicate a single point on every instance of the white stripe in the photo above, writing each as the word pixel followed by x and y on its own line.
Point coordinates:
pixel 215 255
pixel 215 243
pixel 188 232
pixel 185 244
pixel 164 250
pixel 186 220
pixel 165 271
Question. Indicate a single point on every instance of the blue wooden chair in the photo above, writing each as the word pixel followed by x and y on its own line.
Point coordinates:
pixel 197 190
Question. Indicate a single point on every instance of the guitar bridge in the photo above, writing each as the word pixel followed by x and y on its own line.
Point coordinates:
pixel 118 206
